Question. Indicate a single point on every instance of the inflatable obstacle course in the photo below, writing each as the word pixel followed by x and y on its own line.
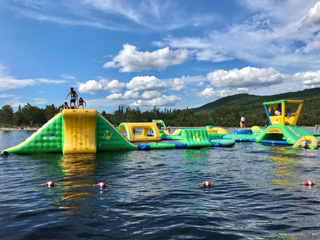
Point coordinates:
pixel 86 131
pixel 283 129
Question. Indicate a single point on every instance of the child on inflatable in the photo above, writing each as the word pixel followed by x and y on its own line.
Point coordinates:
pixel 81 102
pixel 65 106
pixel 74 97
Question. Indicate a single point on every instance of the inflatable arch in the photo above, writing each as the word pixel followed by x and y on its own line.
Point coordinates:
pixel 130 129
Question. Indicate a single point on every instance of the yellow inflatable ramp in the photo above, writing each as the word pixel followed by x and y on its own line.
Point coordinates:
pixel 79 131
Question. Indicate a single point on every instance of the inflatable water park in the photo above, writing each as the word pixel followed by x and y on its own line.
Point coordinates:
pixel 87 131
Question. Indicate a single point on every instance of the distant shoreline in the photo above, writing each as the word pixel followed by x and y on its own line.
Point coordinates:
pixel 6 129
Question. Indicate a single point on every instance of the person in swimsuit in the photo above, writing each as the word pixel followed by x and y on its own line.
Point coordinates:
pixel 81 102
pixel 74 97
pixel 242 122
pixel 65 106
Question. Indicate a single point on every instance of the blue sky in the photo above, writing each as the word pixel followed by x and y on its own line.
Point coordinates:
pixel 162 53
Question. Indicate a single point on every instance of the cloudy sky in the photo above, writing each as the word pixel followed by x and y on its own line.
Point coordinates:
pixel 163 53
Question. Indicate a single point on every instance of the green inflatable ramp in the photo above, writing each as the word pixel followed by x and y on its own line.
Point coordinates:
pixel 195 138
pixel 49 138
pixel 293 135
pixel 74 131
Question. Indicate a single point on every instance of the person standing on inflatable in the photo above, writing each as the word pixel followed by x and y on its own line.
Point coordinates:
pixel 74 97
pixel 81 102
pixel 242 122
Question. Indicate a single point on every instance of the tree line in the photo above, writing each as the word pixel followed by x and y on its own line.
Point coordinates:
pixel 225 116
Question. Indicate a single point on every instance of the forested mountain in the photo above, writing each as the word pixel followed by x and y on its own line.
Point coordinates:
pixel 225 112
pixel 228 110
pixel 240 100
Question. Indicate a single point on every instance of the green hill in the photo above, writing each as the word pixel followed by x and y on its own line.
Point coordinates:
pixel 228 110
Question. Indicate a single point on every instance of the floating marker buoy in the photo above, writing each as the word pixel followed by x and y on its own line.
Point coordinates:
pixel 206 184
pixel 308 183
pixel 50 184
pixel 101 185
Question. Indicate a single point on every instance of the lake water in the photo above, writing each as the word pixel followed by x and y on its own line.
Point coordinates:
pixel 258 193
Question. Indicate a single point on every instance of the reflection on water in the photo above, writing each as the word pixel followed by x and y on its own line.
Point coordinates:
pixel 285 162
pixel 77 184
pixel 195 159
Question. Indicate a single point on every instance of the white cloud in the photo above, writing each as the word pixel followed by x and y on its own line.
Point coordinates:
pixel 68 77
pixel 212 55
pixel 271 37
pixel 94 87
pixel 8 82
pixel 91 86
pixel 246 77
pixel 126 95
pixel 151 14
pixel 164 101
pixel 187 42
pixel 146 83
pixel 115 7
pixel 44 80
pixel 123 15
pixel 151 94
pixel 210 92
pixel 115 86
pixel 39 100
pixel 131 60
pixel 6 96
pixel 200 84
pixel 308 79
pixel 313 16
pixel 184 82
pixel 178 84
pixel 312 45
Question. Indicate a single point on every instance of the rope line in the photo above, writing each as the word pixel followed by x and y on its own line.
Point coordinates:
pixel 51 184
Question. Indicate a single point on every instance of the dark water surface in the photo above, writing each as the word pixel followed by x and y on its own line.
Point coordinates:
pixel 258 194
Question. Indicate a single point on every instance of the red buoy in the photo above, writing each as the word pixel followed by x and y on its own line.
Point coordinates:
pixel 308 183
pixel 101 185
pixel 50 184
pixel 206 184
